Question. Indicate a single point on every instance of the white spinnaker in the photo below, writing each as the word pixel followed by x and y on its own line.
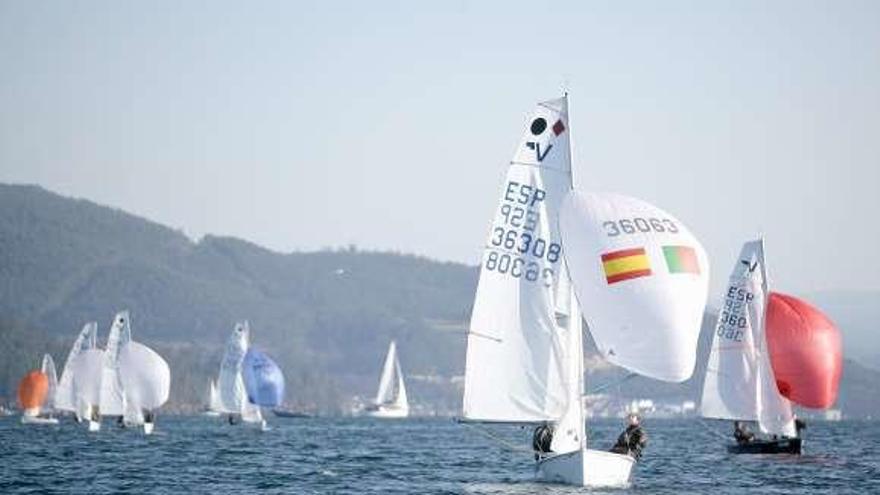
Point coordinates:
pixel 233 397
pixel 48 368
pixel 739 383
pixel 146 377
pixel 513 372
pixel 112 396
pixel 87 371
pixel 387 382
pixel 87 339
pixel 647 324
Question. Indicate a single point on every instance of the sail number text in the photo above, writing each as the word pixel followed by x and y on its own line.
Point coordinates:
pixel 614 228
pixel 732 321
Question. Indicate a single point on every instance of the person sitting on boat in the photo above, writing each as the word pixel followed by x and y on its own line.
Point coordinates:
pixel 799 425
pixel 741 433
pixel 541 440
pixel 149 416
pixel 633 439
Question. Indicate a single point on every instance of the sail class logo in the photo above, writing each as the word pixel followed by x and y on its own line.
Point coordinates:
pixel 681 259
pixel 538 126
pixel 625 264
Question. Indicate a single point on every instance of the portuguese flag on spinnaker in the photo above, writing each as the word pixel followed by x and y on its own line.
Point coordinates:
pixel 681 259
pixel 625 264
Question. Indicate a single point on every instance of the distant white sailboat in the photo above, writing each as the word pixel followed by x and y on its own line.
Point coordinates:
pixel 87 371
pixel 230 382
pixel 213 406
pixel 551 251
pixel 391 400
pixel 36 393
pixel 112 396
pixel 146 384
pixel 65 399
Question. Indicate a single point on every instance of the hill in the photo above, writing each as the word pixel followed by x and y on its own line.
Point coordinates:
pixel 326 316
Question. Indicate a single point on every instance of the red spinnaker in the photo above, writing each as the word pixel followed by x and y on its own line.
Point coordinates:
pixel 32 389
pixel 805 351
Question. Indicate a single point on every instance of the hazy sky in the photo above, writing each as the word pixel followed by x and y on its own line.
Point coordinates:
pixel 301 125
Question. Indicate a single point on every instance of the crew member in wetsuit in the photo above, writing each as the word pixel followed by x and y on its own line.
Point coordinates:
pixel 799 426
pixel 741 433
pixel 633 439
pixel 149 417
pixel 541 440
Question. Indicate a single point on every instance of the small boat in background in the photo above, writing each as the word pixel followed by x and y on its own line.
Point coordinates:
pixel 391 400
pixel 230 382
pixel 213 406
pixel 36 394
pixel 282 413
pixel 768 350
pixel 65 398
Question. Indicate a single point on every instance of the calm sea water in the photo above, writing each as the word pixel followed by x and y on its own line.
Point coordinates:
pixel 189 455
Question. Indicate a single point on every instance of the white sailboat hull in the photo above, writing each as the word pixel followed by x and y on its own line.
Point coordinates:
pixel 148 428
pixel 589 468
pixel 388 412
pixel 94 426
pixel 36 420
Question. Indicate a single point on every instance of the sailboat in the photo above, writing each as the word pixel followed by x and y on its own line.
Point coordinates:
pixel 637 272
pixel 36 394
pixel 213 406
pixel 112 398
pixel 391 400
pixel 87 371
pixel 65 398
pixel 768 350
pixel 146 384
pixel 230 382
pixel 263 380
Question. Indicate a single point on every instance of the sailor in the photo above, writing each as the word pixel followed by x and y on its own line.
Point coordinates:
pixel 633 439
pixel 799 425
pixel 741 433
pixel 149 416
pixel 541 440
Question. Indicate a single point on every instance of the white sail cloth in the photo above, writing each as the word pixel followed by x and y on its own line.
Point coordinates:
pixel 65 398
pixel 230 383
pixel 48 369
pixel 513 370
pixel 739 383
pixel 642 280
pixel 112 396
pixel 87 371
pixel 146 377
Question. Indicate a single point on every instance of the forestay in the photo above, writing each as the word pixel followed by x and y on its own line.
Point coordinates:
pixel 513 370
pixel 87 339
pixel 642 280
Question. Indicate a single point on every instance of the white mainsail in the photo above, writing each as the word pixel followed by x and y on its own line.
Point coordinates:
pixel 739 382
pixel 392 390
pixel 65 399
pixel 642 279
pixel 112 396
pixel 233 395
pixel 514 372
pixel 87 371
pixel 146 380
pixel 48 368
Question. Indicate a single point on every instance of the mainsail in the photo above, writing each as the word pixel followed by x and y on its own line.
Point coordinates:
pixel 642 280
pixel 87 370
pixel 233 396
pixel 65 399
pixel 48 369
pixel 739 382
pixel 392 390
pixel 112 396
pixel 514 372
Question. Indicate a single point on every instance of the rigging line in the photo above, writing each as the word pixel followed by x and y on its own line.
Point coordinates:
pixel 492 436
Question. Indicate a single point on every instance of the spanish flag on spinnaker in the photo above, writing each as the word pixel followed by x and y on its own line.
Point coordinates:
pixel 625 264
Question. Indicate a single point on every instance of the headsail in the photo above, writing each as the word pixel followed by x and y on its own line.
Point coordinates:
pixel 263 379
pixel 87 339
pixel 805 351
pixel 513 370
pixel 642 279
pixel 87 371
pixel 48 369
pixel 112 397
pixel 390 383
pixel 400 401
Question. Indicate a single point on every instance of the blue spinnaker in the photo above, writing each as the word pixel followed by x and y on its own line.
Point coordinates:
pixel 263 379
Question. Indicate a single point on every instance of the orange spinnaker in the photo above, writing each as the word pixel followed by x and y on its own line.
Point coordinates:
pixel 805 351
pixel 32 389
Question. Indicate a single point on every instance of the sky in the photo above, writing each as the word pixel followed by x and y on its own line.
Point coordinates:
pixel 304 125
